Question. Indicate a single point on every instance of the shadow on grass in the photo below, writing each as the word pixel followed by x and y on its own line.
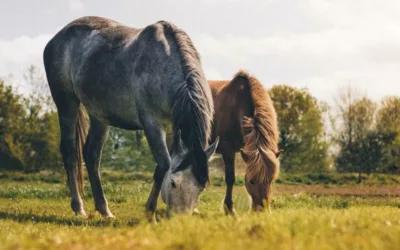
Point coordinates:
pixel 34 218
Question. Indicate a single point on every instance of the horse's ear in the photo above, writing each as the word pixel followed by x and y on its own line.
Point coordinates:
pixel 244 155
pixel 277 154
pixel 211 149
pixel 183 156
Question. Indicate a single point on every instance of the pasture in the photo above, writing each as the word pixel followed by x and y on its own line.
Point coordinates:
pixel 67 83
pixel 308 212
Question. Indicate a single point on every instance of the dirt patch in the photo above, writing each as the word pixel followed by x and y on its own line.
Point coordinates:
pixel 392 191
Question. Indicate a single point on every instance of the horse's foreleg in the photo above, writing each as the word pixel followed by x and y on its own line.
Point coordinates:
pixel 92 154
pixel 229 160
pixel 157 141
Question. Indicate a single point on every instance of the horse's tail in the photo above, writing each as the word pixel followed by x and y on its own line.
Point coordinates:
pixel 80 139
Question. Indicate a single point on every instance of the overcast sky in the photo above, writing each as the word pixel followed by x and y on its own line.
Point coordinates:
pixel 317 44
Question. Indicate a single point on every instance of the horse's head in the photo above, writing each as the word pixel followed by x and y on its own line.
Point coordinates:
pixel 262 169
pixel 187 176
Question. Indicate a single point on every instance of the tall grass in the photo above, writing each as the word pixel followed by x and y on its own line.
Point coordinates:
pixel 35 214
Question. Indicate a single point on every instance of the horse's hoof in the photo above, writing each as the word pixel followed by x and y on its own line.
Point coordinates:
pixel 77 207
pixel 106 214
pixel 230 211
pixel 104 211
pixel 110 216
pixel 81 213
pixel 196 211
pixel 151 217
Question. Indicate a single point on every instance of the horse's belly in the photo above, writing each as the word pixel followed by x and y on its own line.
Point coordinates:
pixel 116 109
pixel 118 116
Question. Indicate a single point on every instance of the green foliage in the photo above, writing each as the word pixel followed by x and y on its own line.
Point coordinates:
pixel 12 115
pixel 127 150
pixel 368 136
pixel 29 130
pixel 388 116
pixel 388 120
pixel 301 128
pixel 365 154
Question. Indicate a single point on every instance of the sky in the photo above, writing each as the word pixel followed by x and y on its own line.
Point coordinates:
pixel 321 45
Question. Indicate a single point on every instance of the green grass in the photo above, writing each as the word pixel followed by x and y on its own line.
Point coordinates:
pixel 217 179
pixel 35 214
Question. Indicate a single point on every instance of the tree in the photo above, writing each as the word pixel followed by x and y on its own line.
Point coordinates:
pixel 388 123
pixel 355 116
pixel 366 154
pixel 12 115
pixel 301 128
pixel 388 115
pixel 42 135
pixel 359 145
pixel 29 130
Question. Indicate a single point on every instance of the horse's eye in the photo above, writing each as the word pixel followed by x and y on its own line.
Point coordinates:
pixel 252 182
pixel 173 184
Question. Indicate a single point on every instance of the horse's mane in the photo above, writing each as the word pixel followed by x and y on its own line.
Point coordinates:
pixel 192 105
pixel 261 133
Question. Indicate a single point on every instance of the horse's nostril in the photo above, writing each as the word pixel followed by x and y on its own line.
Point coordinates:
pixel 173 184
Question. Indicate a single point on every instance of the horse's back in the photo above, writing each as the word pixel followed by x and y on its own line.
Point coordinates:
pixel 105 45
pixel 113 69
pixel 93 22
pixel 90 32
pixel 65 48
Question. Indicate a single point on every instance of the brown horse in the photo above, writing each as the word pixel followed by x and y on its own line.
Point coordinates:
pixel 245 120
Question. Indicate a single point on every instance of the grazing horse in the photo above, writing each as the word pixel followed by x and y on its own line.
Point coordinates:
pixel 245 120
pixel 147 79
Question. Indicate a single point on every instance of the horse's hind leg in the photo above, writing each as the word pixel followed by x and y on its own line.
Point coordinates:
pixel 92 154
pixel 67 113
pixel 229 160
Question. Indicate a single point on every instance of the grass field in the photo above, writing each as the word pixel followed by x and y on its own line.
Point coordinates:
pixel 35 214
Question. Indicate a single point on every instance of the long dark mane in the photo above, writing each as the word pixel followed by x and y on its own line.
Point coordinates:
pixel 192 105
pixel 261 133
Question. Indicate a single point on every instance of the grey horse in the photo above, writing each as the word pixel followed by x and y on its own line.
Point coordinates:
pixel 147 79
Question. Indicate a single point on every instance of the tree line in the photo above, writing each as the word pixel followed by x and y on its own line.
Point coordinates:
pixel 355 134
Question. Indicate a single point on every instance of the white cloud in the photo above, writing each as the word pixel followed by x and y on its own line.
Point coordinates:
pixel 216 2
pixel 231 2
pixel 76 5
pixel 359 43
pixel 319 44
pixel 17 54
pixel 212 74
